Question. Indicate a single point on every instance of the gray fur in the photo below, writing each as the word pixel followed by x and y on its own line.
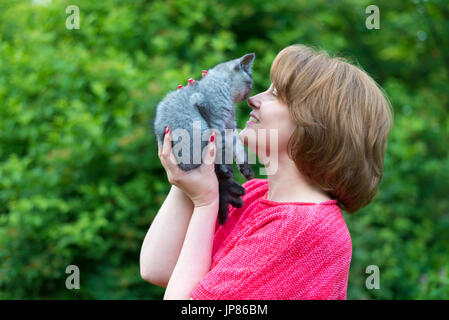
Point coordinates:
pixel 210 102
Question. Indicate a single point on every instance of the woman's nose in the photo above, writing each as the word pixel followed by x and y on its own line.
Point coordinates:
pixel 254 102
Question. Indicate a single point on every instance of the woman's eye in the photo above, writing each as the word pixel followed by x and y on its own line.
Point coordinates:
pixel 274 92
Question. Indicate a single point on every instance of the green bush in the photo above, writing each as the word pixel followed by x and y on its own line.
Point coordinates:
pixel 80 180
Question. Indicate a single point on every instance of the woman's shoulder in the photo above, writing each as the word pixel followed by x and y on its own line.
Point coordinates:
pixel 322 222
pixel 323 219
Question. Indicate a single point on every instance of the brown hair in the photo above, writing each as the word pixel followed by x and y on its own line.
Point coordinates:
pixel 343 121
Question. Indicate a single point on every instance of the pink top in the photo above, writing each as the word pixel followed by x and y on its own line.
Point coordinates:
pixel 270 250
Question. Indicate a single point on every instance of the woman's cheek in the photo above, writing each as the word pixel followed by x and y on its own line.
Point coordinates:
pixel 278 138
pixel 288 134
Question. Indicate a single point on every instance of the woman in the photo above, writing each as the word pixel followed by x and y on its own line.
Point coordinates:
pixel 289 240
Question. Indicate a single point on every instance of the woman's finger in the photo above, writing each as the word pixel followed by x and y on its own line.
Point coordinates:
pixel 211 150
pixel 159 149
pixel 169 160
pixel 166 146
pixel 203 73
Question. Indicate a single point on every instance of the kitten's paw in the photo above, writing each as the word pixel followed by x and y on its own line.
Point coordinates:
pixel 236 202
pixel 233 188
pixel 246 171
pixel 224 171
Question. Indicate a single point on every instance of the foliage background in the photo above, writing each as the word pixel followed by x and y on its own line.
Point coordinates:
pixel 80 181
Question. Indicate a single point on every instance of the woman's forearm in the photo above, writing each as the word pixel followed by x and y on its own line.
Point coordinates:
pixel 163 241
pixel 195 257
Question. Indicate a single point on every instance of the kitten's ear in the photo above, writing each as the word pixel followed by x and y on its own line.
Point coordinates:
pixel 247 61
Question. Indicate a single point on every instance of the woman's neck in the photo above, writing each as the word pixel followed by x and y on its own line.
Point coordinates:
pixel 287 184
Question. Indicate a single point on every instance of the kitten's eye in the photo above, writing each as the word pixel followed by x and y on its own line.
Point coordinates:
pixel 237 67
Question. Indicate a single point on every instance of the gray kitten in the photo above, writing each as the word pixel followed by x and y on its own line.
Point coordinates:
pixel 209 104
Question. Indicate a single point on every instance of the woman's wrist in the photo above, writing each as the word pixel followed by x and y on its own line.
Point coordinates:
pixel 210 201
pixel 181 194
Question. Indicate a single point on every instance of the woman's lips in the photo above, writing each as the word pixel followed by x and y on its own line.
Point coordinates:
pixel 251 114
pixel 252 120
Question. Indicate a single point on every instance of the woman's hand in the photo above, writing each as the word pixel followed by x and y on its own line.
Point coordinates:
pixel 200 184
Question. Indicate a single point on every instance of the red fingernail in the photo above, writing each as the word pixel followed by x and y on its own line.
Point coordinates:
pixel 180 86
pixel 212 137
pixel 190 81
pixel 204 72
pixel 167 129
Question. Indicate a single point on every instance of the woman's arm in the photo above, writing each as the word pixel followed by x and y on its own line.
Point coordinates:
pixel 163 241
pixel 200 186
pixel 195 257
